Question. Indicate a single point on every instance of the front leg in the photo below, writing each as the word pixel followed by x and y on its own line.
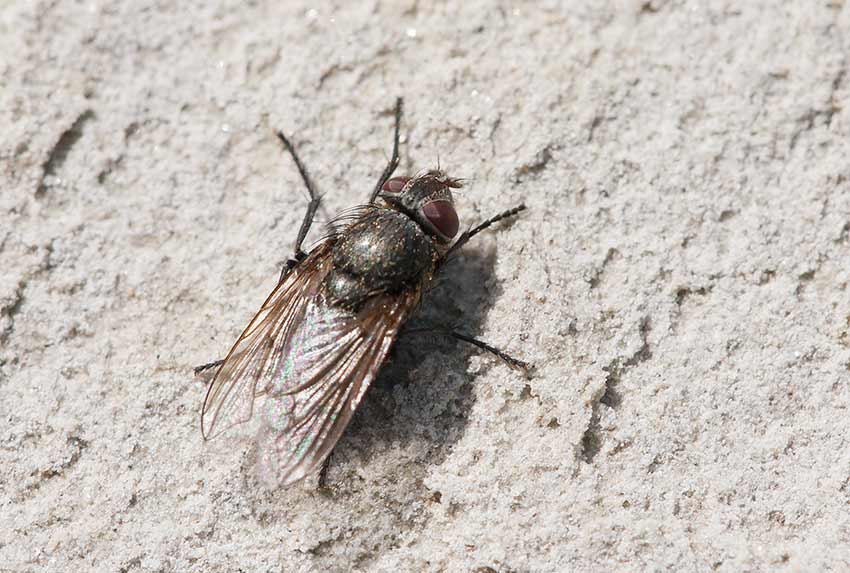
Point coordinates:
pixel 464 238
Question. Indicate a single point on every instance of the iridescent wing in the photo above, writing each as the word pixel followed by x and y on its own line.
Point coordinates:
pixel 332 358
pixel 255 358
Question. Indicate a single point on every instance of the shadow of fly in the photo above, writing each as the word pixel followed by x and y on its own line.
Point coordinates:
pixel 318 341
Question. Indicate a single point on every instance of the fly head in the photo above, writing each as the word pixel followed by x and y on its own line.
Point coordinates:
pixel 427 199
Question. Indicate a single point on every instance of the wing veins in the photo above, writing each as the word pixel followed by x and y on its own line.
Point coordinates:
pixel 253 356
pixel 340 387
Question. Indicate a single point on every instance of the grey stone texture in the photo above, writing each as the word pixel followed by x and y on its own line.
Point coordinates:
pixel 680 280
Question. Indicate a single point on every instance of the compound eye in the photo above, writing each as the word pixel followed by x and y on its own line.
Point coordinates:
pixel 394 185
pixel 443 216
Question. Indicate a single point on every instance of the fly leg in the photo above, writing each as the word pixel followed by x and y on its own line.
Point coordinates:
pixel 464 238
pixel 391 166
pixel 207 371
pixel 299 254
pixel 207 366
pixel 323 473
pixel 514 363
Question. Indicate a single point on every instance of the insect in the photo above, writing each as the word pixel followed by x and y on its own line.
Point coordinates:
pixel 319 339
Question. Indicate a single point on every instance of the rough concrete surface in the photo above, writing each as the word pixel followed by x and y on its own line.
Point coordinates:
pixel 680 280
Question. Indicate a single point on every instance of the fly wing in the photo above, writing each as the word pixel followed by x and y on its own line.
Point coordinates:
pixel 255 358
pixel 332 359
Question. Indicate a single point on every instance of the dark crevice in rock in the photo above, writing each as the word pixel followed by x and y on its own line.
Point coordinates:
pixel 594 123
pixel 332 71
pixel 803 279
pixel 133 563
pixel 78 445
pixel 11 307
pixel 727 214
pixel 685 292
pixel 492 137
pixel 597 276
pixel 651 7
pixel 591 441
pixel 681 296
pixel 59 153
pixel 110 166
pixel 11 310
pixel 541 161
pixel 766 276
pixel 809 120
pixel 611 397
pixel 845 231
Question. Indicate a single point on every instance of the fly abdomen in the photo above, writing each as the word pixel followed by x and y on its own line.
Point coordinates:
pixel 384 251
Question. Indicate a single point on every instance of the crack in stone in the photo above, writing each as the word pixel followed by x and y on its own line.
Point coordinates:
pixel 845 232
pixel 78 445
pixel 808 120
pixel 12 306
pixel 650 7
pixel 597 275
pixel 591 441
pixel 59 153
pixel 804 278
pixel 685 292
pixel 332 71
pixel 834 106
pixel 12 309
pixel 594 123
pixel 492 137
pixel 541 161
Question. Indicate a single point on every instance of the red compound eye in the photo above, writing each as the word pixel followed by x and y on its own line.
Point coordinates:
pixel 443 216
pixel 394 185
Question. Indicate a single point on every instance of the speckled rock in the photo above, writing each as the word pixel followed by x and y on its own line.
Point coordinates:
pixel 680 280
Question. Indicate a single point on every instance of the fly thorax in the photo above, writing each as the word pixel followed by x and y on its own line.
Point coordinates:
pixel 382 253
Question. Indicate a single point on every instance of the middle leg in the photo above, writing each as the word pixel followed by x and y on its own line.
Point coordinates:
pixel 464 238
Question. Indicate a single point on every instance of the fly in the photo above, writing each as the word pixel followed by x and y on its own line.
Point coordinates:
pixel 319 339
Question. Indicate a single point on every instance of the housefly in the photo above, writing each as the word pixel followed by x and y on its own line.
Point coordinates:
pixel 319 339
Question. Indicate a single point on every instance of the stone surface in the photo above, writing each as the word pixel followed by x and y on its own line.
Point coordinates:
pixel 680 280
